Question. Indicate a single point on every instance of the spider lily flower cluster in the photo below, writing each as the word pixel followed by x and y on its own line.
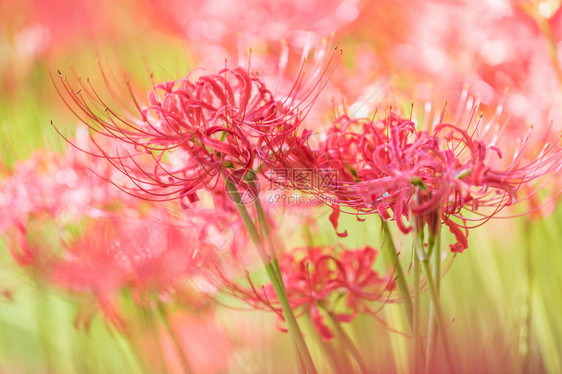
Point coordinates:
pixel 195 134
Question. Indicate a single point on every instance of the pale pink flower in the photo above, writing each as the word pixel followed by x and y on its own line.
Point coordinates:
pixel 64 188
pixel 221 22
pixel 152 256
pixel 489 46
pixel 204 342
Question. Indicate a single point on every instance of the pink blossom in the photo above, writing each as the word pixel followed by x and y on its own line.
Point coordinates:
pixel 64 188
pixel 152 256
pixel 489 46
pixel 221 22
pixel 204 342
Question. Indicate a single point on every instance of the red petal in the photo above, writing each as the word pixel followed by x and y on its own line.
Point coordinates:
pixel 334 216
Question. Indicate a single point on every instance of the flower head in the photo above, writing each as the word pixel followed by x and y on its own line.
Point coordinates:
pixel 322 282
pixel 393 167
pixel 191 130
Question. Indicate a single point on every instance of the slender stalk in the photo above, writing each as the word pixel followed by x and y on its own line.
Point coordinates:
pixel 525 330
pixel 186 367
pixel 420 255
pixel 348 343
pixel 400 277
pixel 439 313
pixel 277 282
pixel 437 259
pixel 266 232
pixel 128 343
pixel 416 354
pixel 150 326
pixel 130 353
pixel 435 250
pixel 339 362
pixel 42 310
pixel 292 324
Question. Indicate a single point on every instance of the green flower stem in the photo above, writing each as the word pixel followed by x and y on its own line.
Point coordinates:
pixel 339 362
pixel 177 344
pixel 400 277
pixel 526 326
pixel 245 215
pixel 439 313
pixel 277 282
pixel 149 323
pixel 434 244
pixel 348 343
pixel 292 324
pixel 264 226
pixel 266 232
pixel 129 352
pixel 416 354
pixel 420 255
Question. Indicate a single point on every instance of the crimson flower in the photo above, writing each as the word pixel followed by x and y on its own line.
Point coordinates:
pixel 398 170
pixel 319 281
pixel 191 130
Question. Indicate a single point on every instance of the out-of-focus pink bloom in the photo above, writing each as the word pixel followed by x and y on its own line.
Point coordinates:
pixel 55 23
pixel 223 22
pixel 318 280
pixel 149 255
pixel 34 30
pixel 50 186
pixel 489 46
pixel 54 185
pixel 204 343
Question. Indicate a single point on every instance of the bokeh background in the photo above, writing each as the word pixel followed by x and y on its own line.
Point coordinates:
pixel 503 295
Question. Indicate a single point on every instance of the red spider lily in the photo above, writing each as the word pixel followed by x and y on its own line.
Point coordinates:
pixel 319 281
pixel 191 131
pixel 392 165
